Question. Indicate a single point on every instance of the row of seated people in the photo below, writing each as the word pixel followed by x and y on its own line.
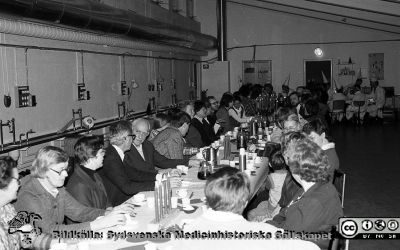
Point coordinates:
pixel 300 195
pixel 127 162
pixel 227 193
pixel 358 101
pixel 93 197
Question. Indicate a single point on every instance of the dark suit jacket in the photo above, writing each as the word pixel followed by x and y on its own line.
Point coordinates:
pixel 120 185
pixel 144 170
pixel 87 191
pixel 193 138
pixel 209 128
pixel 203 130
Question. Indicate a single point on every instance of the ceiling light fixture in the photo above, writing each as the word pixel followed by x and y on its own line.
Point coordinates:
pixel 318 52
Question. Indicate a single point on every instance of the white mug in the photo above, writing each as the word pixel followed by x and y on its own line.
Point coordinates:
pixel 182 193
pixel 150 202
pixel 174 202
pixel 185 202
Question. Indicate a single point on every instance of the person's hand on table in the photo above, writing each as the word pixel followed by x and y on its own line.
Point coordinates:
pixel 108 210
pixel 125 207
pixel 252 148
pixel 114 218
pixel 175 173
pixel 176 182
pixel 195 162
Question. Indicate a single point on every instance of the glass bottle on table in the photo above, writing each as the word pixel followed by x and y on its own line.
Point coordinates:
pixel 204 170
pixel 241 140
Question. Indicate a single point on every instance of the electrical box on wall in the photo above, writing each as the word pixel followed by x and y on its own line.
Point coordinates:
pixel 81 93
pixel 23 97
pixel 123 88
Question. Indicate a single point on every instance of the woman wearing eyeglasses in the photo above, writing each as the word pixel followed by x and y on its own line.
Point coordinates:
pixel 10 238
pixel 42 192
pixel 85 184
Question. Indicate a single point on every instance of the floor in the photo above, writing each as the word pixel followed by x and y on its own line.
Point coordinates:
pixel 370 157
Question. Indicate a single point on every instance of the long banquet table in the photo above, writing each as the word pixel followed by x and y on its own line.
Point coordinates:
pixel 144 219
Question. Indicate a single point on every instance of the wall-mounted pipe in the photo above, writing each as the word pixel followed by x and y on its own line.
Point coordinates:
pixel 54 136
pixel 221 29
pixel 92 15
pixel 37 30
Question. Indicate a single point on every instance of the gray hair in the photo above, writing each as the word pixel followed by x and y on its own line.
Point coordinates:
pixel 136 122
pixel 118 132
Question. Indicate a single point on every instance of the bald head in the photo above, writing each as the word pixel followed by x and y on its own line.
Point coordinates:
pixel 141 128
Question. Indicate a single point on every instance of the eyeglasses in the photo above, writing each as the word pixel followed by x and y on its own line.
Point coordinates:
pixel 141 133
pixel 18 180
pixel 133 136
pixel 61 171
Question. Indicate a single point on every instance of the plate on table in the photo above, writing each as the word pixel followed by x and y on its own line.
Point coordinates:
pixel 139 247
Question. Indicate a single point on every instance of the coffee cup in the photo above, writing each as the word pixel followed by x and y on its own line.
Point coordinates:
pixel 174 202
pixel 150 202
pixel 182 193
pixel 183 168
pixel 185 202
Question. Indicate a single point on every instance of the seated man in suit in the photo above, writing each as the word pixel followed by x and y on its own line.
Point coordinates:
pixel 142 158
pixel 118 184
pixel 197 135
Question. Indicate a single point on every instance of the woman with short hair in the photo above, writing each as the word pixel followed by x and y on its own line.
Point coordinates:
pixel 85 184
pixel 316 207
pixel 317 131
pixel 42 192
pixel 223 112
pixel 11 239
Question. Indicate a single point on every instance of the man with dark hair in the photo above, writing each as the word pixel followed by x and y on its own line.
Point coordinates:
pixel 170 142
pixel 161 122
pixel 248 103
pixel 197 135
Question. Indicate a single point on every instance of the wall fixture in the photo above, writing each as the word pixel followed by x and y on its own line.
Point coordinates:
pixel 318 52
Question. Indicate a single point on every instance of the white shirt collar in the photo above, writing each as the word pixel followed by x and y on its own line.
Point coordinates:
pixel 328 146
pixel 198 118
pixel 221 215
pixel 120 152
pixel 140 150
pixel 53 191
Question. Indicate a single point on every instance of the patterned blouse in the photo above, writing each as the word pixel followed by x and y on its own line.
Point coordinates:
pixel 7 241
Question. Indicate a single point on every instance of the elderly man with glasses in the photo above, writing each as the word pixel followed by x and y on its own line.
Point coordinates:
pixel 119 184
pixel 142 158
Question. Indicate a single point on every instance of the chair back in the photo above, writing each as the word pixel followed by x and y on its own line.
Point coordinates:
pixel 366 90
pixel 389 92
pixel 339 181
pixel 338 105
pixel 358 103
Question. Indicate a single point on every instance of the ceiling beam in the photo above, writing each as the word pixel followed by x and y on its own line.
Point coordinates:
pixel 291 7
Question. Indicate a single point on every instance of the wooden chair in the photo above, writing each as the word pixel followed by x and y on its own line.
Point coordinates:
pixel 339 181
pixel 389 108
pixel 338 107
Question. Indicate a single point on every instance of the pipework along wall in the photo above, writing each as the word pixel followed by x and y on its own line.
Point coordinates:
pixel 52 76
